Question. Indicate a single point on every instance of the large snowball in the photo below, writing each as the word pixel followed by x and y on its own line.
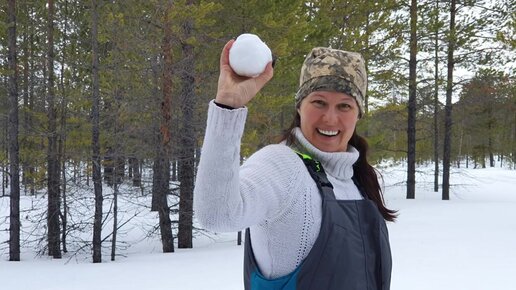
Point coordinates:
pixel 249 55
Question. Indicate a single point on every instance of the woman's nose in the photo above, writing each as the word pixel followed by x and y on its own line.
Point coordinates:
pixel 330 116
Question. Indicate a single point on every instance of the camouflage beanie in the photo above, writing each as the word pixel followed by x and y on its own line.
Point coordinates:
pixel 327 69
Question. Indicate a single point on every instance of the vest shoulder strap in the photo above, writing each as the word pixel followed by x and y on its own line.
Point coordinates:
pixel 316 171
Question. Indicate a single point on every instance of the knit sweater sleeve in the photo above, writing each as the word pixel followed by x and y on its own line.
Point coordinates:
pixel 228 197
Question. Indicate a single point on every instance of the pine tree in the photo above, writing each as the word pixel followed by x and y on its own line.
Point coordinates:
pixel 188 138
pixel 411 132
pixel 161 167
pixel 448 108
pixel 54 203
pixel 14 161
pixel 95 113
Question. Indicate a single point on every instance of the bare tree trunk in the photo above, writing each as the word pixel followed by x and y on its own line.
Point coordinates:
pixel 448 107
pixel 27 176
pixel 117 168
pixel 366 98
pixel 161 176
pixel 62 135
pixel 95 112
pixel 54 202
pixel 460 145
pixel 490 137
pixel 411 129
pixel 156 175
pixel 32 84
pixel 188 139
pixel 14 159
pixel 87 174
pixel 137 179
pixel 436 102
pixel 115 218
pixel 5 144
pixel 130 169
pixel 64 217
pixel 5 174
pixel 135 173
pixel 161 179
pixel 483 156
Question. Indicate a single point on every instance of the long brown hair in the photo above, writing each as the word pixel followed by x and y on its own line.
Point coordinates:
pixel 363 172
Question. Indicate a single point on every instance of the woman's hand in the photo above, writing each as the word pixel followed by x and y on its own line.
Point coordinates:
pixel 234 90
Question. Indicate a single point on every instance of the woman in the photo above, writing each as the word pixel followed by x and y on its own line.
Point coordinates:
pixel 312 205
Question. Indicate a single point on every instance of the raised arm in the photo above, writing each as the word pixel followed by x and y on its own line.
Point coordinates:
pixel 223 199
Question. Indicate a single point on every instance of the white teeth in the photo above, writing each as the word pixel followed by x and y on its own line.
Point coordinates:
pixel 328 133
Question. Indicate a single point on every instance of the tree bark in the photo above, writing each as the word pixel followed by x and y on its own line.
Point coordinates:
pixel 53 179
pixel 119 166
pixel 490 148
pixel 26 180
pixel 411 129
pixel 95 113
pixel 156 175
pixel 162 162
pixel 436 102
pixel 448 106
pixel 460 145
pixel 135 170
pixel 28 105
pixel 5 177
pixel 62 130
pixel 366 97
pixel 161 176
pixel 188 138
pixel 115 219
pixel 14 160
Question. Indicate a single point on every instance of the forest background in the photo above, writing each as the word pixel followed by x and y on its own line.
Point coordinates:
pixel 115 93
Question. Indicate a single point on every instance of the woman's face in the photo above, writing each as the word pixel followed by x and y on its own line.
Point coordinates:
pixel 328 119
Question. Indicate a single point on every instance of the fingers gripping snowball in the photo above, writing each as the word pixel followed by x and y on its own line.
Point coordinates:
pixel 249 55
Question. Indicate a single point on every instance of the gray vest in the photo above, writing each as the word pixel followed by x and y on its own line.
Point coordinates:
pixel 351 252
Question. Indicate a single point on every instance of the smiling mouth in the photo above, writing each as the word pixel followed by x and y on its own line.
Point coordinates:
pixel 327 133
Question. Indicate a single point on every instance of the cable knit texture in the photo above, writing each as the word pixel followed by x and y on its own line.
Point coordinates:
pixel 272 193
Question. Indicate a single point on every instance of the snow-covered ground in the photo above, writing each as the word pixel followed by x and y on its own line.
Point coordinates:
pixel 466 243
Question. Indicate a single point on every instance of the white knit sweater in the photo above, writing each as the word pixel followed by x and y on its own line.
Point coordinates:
pixel 272 193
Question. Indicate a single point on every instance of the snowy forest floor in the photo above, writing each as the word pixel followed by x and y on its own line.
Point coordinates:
pixel 466 243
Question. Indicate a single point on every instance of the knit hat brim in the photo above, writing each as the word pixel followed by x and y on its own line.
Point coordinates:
pixel 329 83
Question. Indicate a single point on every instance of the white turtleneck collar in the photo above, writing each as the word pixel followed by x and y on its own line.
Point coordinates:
pixel 337 164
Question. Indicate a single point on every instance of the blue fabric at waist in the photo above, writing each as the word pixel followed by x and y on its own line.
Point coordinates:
pixel 287 282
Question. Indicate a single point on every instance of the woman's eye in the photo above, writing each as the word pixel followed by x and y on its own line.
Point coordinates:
pixel 318 103
pixel 345 106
